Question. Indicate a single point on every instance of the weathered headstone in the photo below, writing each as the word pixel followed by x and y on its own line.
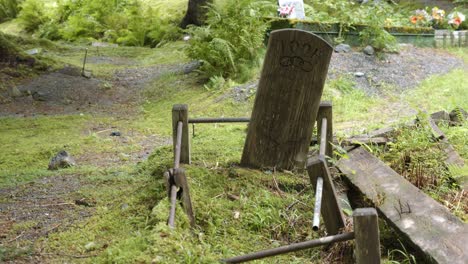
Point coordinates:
pixel 287 101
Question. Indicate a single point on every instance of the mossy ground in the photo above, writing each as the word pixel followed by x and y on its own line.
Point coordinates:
pixel 130 202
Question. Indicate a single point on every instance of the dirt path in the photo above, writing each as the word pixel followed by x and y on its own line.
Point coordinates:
pixel 67 92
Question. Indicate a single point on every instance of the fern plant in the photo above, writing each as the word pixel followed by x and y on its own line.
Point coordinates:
pixel 9 9
pixel 230 44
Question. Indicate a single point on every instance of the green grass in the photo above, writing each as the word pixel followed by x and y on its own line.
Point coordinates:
pixel 12 27
pixel 28 144
pixel 129 223
pixel 441 92
pixel 119 57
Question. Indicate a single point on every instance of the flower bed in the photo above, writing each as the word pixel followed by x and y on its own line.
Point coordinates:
pixel 419 36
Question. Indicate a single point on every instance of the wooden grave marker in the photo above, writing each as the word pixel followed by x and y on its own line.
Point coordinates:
pixel 287 100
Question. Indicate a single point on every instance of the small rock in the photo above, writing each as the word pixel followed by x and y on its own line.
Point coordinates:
pixel 192 66
pixel 84 202
pixel 342 48
pixel 369 50
pixel 61 160
pixel 236 214
pixel 359 74
pixel 39 96
pixel 115 134
pixel 186 38
pixel 124 207
pixel 33 51
pixel 87 74
pixel 232 197
pixel 90 246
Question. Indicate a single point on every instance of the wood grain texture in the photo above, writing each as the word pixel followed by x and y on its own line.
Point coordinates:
pixel 180 180
pixel 325 111
pixel 180 113
pixel 422 221
pixel 287 100
pixel 366 233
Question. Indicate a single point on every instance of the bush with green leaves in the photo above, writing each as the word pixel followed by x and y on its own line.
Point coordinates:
pixel 32 14
pixel 9 9
pixel 126 22
pixel 231 42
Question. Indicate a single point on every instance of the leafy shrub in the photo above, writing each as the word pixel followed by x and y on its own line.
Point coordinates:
pixel 127 22
pixel 9 9
pixel 32 15
pixel 230 44
pixel 374 33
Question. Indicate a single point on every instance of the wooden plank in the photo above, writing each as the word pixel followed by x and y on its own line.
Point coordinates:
pixel 366 232
pixel 325 111
pixel 184 194
pixel 331 210
pixel 180 113
pixel 436 132
pixel 287 100
pixel 441 117
pixel 454 159
pixel 425 223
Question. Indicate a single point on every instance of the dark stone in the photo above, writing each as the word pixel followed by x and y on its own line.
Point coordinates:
pixel 115 134
pixel 61 160
pixel 192 66
pixel 343 48
pixel 39 96
pixel 369 50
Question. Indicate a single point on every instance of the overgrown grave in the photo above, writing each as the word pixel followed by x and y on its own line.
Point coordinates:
pixel 279 134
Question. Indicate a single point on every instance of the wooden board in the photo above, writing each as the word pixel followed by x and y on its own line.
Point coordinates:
pixel 426 224
pixel 331 211
pixel 287 100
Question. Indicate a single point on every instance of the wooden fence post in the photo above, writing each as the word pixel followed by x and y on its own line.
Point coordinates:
pixel 325 111
pixel 180 113
pixel 331 210
pixel 366 231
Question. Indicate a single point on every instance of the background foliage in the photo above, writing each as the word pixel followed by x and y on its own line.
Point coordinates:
pixel 9 9
pixel 231 42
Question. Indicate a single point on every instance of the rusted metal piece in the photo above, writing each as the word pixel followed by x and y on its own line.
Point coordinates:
pixel 291 248
pixel 171 221
pixel 318 204
pixel 219 120
pixel 178 145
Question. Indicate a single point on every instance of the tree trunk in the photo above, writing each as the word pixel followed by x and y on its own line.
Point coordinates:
pixel 196 11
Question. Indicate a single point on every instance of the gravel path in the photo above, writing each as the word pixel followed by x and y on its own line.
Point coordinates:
pixel 404 70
